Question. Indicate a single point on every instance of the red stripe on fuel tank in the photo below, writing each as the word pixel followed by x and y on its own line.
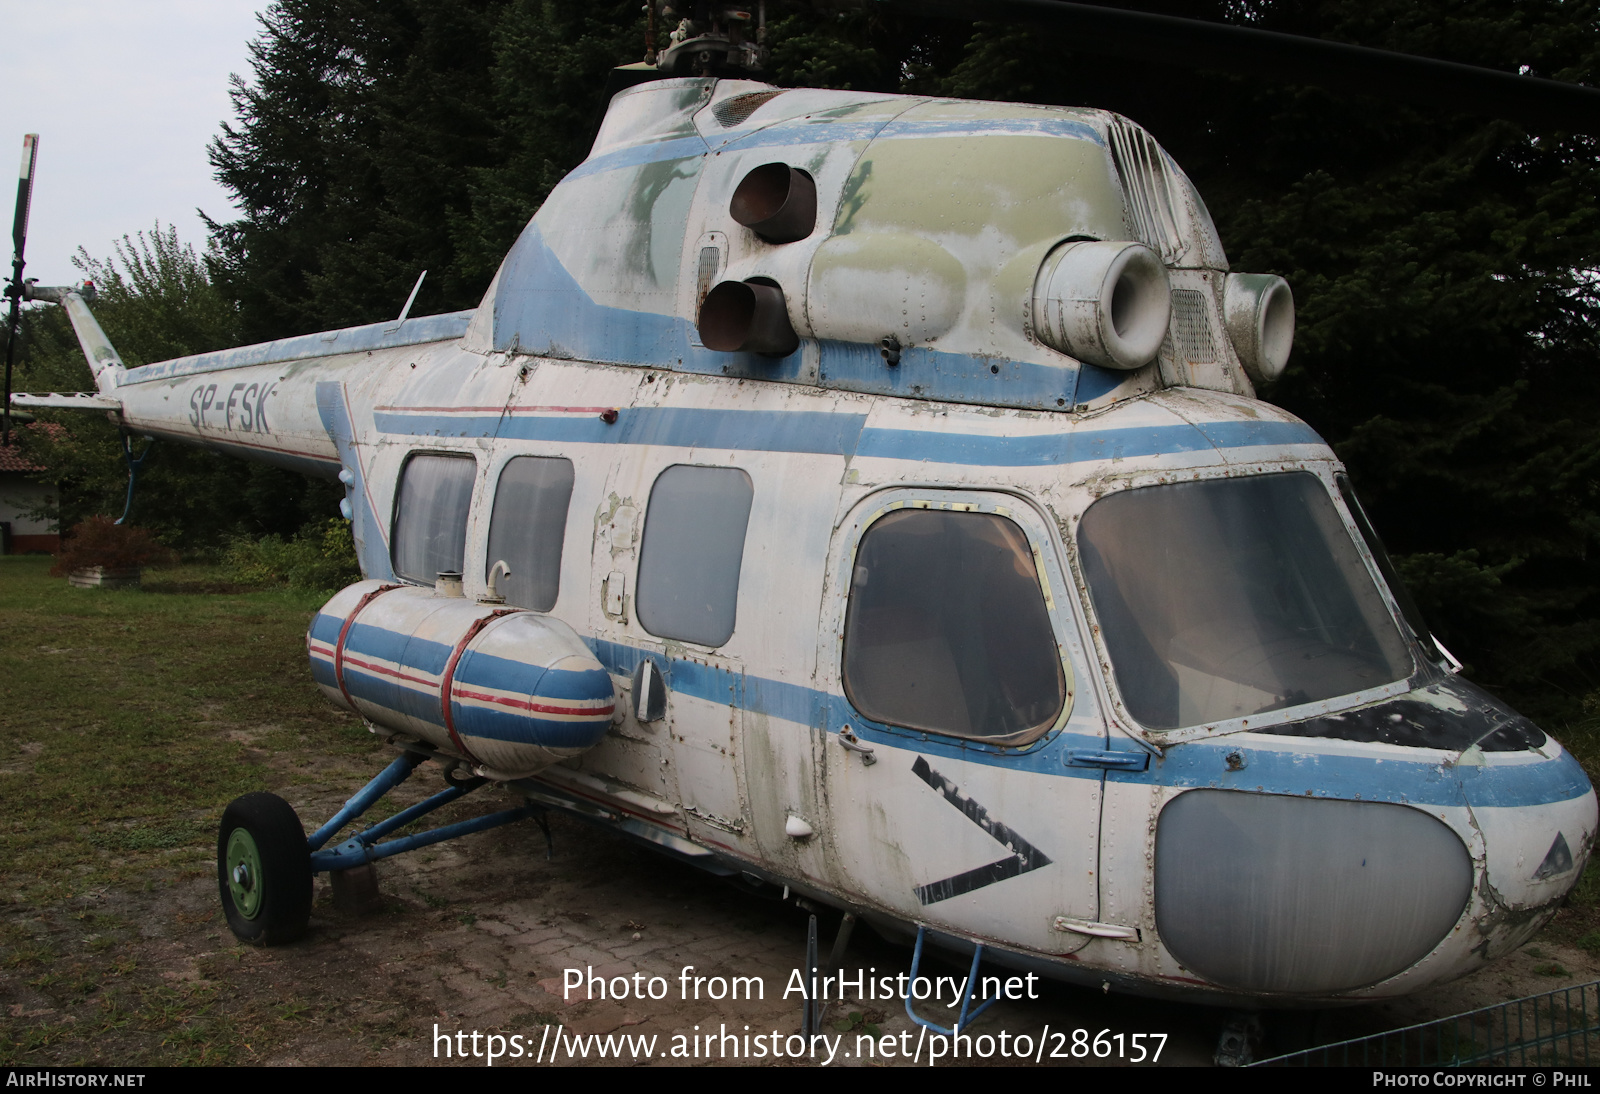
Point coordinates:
pixel 448 676
pixel 344 632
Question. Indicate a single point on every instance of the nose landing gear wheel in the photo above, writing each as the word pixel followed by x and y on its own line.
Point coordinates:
pixel 264 870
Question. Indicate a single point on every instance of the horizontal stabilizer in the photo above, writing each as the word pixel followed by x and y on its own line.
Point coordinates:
pixel 64 400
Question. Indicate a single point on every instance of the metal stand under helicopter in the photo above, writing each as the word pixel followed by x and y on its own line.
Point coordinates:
pixel 265 861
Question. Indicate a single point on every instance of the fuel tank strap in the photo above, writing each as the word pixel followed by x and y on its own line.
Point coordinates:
pixel 344 633
pixel 447 679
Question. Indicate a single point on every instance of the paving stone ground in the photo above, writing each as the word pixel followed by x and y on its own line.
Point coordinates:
pixel 476 935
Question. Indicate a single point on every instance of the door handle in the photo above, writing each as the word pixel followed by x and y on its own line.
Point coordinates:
pixel 849 740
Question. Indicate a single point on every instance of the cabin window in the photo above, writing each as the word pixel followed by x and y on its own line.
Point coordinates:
pixel 947 628
pixel 527 529
pixel 1402 595
pixel 430 519
pixel 1232 597
pixel 693 547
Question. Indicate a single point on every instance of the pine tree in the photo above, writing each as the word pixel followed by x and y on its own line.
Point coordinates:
pixel 379 139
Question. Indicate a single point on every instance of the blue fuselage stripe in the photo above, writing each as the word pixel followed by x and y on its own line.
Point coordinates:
pixel 844 434
pixel 1196 764
pixel 1426 782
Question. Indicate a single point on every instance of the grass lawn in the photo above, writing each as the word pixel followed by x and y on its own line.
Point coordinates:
pixel 131 718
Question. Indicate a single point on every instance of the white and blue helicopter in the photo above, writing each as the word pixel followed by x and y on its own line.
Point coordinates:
pixel 868 494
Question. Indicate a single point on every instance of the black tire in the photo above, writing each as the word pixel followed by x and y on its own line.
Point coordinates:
pixel 270 901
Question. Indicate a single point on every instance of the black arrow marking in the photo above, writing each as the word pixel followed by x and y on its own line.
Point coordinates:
pixel 1024 857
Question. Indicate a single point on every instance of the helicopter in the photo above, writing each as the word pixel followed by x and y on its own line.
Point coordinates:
pixel 867 494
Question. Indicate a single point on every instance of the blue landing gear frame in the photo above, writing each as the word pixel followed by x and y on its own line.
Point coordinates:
pixel 364 846
pixel 967 1014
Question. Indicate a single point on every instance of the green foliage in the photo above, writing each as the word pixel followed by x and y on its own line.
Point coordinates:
pixel 379 139
pixel 322 556
pixel 549 80
pixel 156 294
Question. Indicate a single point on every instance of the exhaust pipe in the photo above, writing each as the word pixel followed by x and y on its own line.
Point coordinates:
pixel 747 317
pixel 776 202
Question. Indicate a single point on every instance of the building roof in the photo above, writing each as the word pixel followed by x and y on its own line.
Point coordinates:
pixel 12 461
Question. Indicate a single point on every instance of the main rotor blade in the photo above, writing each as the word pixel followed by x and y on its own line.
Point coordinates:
pixel 1335 66
pixel 19 224
pixel 19 240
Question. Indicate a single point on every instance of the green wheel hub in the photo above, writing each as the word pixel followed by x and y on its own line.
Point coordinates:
pixel 244 873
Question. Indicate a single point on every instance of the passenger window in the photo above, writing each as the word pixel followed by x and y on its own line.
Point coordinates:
pixel 693 547
pixel 527 528
pixel 430 519
pixel 947 628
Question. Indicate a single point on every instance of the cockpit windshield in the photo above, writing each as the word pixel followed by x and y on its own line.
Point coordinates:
pixel 1229 597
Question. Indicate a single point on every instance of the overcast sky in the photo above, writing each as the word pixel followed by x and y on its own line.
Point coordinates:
pixel 125 95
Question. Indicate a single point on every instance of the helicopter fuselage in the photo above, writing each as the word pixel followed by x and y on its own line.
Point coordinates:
pixel 1092 664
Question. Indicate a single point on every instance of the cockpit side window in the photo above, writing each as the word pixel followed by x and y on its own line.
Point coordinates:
pixel 1402 595
pixel 1226 598
pixel 693 547
pixel 947 629
pixel 430 518
pixel 528 527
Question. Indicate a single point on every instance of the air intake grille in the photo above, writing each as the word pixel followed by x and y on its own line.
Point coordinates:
pixel 1191 327
pixel 1148 188
pixel 734 111
pixel 710 259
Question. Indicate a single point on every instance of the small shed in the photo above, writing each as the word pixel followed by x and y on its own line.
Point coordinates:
pixel 27 506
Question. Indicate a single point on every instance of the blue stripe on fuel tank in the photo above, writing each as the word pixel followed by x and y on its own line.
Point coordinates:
pixel 322 672
pixel 487 671
pixel 385 691
pixel 325 627
pixel 527 729
pixel 404 649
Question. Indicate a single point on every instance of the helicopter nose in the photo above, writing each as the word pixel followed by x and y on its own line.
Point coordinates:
pixel 1294 894
pixel 1536 816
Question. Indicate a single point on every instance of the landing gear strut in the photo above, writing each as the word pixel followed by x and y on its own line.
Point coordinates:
pixel 265 861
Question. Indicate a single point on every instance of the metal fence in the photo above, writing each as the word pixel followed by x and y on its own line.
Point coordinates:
pixel 1555 1028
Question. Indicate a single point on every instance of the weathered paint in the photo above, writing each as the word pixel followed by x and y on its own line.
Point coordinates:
pixel 585 348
